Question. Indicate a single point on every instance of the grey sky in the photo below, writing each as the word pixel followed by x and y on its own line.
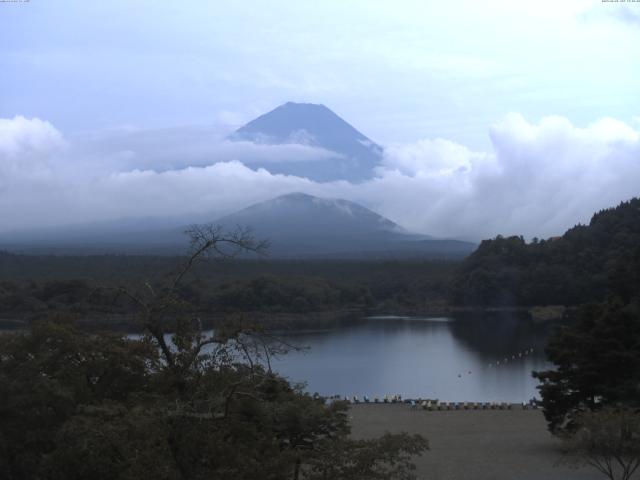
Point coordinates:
pixel 399 71
pixel 499 116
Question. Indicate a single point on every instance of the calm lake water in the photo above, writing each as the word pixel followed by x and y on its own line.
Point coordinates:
pixel 434 357
pixel 429 357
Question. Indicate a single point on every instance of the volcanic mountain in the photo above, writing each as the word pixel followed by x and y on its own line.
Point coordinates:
pixel 297 225
pixel 301 225
pixel 348 154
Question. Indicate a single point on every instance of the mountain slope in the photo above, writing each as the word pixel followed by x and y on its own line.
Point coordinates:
pixel 297 225
pixel 315 126
pixel 302 214
pixel 300 225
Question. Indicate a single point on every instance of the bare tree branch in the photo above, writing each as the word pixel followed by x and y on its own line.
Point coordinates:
pixel 208 237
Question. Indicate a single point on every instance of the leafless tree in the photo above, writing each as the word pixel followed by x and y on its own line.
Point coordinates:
pixel 158 307
pixel 609 441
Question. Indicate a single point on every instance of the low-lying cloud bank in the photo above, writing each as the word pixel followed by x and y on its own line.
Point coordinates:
pixel 540 178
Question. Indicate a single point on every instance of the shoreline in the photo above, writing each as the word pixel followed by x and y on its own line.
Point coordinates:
pixel 290 322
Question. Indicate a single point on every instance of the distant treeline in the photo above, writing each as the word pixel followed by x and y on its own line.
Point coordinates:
pixel 587 264
pixel 34 286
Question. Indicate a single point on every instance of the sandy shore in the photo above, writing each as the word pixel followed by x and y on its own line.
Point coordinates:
pixel 474 444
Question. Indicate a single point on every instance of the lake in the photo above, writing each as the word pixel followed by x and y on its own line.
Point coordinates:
pixel 432 357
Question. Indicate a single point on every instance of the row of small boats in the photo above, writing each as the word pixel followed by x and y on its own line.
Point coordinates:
pixel 434 404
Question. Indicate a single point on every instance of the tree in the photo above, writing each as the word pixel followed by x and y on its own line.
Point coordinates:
pixel 609 441
pixel 589 263
pixel 194 405
pixel 48 375
pixel 597 363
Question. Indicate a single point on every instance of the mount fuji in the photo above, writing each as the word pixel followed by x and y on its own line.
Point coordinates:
pixel 349 155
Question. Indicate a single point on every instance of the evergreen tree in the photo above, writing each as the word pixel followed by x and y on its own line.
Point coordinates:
pixel 597 362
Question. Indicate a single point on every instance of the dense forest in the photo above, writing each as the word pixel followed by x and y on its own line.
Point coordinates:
pixel 32 287
pixel 588 263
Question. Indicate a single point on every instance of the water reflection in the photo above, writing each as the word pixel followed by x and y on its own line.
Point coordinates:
pixel 453 360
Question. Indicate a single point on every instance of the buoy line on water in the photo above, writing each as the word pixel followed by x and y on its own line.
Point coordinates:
pixel 515 356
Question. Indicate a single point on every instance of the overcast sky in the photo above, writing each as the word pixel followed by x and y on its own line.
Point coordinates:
pixel 498 116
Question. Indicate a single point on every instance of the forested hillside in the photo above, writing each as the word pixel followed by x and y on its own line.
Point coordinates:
pixel 586 264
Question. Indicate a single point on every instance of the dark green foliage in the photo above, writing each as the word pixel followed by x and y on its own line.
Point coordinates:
pixel 84 286
pixel 586 264
pixel 597 363
pixel 65 291
pixel 510 272
pixel 77 406
pixel 298 294
pixel 48 374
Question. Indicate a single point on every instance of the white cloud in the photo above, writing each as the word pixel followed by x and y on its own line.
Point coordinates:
pixel 213 189
pixel 180 147
pixel 26 146
pixel 21 137
pixel 429 158
pixel 538 180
